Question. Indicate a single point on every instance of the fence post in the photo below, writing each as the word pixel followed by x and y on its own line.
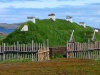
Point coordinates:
pixel 47 49
pixel 73 44
pixel 67 49
pixel 32 44
pixel 47 44
pixel 32 57
pixel 39 46
pixel 89 48
pixel 36 56
pixel 17 50
pixel 17 45
pixel 3 51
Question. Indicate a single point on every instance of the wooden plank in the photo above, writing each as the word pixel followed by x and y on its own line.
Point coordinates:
pixel 67 49
pixel 36 57
pixel 32 45
pixel 4 51
pixel 21 47
pixel 36 47
pixel 44 46
pixel 0 49
pixel 47 43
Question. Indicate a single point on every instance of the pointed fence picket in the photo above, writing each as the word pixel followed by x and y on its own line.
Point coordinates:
pixel 24 51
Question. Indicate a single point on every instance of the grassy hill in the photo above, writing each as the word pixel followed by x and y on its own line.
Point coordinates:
pixel 57 32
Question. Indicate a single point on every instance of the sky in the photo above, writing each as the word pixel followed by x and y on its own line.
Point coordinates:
pixel 16 11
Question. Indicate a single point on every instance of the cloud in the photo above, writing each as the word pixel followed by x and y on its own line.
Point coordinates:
pixel 77 13
pixel 96 12
pixel 40 3
pixel 17 11
pixel 44 3
pixel 3 11
pixel 36 3
pixel 95 3
pixel 95 19
pixel 32 4
pixel 17 0
pixel 69 0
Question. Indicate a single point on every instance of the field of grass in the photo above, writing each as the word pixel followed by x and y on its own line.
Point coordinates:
pixel 61 66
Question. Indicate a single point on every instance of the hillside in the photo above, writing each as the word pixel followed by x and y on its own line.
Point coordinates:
pixel 57 32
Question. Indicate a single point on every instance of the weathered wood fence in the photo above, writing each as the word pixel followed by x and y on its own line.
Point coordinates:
pixel 33 51
pixel 83 50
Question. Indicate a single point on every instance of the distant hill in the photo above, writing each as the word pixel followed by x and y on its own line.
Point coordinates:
pixel 57 32
pixel 11 26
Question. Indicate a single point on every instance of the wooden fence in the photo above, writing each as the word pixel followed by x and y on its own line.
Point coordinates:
pixel 33 51
pixel 83 50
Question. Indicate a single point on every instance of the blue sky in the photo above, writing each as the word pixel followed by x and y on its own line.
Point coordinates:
pixel 16 11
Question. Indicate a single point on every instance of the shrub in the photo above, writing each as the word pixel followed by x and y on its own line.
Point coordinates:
pixel 57 56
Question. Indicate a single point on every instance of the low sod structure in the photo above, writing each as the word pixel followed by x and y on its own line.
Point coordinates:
pixel 57 32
